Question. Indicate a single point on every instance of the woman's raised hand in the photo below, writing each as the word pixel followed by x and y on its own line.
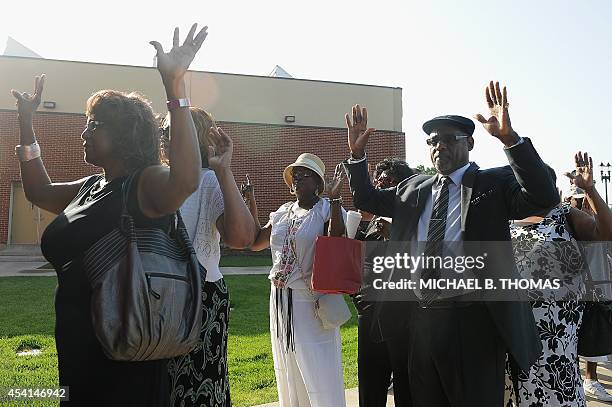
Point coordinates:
pixel 333 185
pixel 26 103
pixel 584 171
pixel 221 149
pixel 172 65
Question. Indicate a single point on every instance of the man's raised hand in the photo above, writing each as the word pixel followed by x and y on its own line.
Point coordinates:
pixel 498 125
pixel 358 131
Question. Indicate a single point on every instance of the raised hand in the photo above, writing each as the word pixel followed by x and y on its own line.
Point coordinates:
pixel 584 171
pixel 333 185
pixel 246 190
pixel 172 65
pixel 220 152
pixel 26 103
pixel 498 125
pixel 383 228
pixel 358 131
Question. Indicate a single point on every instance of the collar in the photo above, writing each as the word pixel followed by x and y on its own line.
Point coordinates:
pixel 455 176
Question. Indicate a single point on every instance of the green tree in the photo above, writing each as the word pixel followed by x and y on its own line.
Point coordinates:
pixel 426 170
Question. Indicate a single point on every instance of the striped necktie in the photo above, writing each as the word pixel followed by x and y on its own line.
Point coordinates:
pixel 435 237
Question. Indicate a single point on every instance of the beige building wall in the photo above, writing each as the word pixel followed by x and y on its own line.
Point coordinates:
pixel 28 222
pixel 230 97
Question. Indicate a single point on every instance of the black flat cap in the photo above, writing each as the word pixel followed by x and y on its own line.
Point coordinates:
pixel 460 122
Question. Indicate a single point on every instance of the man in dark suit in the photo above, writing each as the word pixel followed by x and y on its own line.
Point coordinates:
pixel 457 349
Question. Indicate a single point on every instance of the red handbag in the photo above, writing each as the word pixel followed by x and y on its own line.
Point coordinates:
pixel 338 265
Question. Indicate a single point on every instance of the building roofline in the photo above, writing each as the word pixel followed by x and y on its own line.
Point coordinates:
pixel 399 133
pixel 210 72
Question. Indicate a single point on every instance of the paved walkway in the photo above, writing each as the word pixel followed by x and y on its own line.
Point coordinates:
pixel 26 267
pixel 604 373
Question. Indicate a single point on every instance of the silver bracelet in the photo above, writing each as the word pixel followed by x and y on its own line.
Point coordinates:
pixel 27 152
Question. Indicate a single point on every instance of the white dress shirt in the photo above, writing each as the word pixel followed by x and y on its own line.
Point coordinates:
pixel 453 217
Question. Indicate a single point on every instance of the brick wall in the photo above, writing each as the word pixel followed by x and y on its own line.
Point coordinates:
pixel 262 151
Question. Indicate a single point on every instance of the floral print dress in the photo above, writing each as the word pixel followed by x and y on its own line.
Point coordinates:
pixel 547 250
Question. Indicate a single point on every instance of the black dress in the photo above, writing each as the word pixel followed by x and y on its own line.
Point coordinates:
pixel 378 358
pixel 93 379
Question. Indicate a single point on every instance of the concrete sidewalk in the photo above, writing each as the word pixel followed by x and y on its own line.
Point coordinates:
pixel 11 266
pixel 24 260
pixel 604 373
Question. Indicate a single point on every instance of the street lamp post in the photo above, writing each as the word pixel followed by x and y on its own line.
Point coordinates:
pixel 605 178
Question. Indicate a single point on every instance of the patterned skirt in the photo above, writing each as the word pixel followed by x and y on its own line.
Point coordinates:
pixel 200 378
pixel 554 379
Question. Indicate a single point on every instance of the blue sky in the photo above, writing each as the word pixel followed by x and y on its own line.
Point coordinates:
pixel 554 56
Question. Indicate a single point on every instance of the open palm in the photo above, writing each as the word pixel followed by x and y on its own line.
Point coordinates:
pixel 358 131
pixel 221 150
pixel 584 171
pixel 498 124
pixel 333 185
pixel 173 64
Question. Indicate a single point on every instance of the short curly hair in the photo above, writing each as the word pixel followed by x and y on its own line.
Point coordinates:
pixel 203 121
pixel 133 129
pixel 394 167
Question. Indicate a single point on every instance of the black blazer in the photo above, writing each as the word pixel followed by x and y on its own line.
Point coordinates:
pixel 489 199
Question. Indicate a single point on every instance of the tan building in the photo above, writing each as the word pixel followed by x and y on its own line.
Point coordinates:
pixel 272 120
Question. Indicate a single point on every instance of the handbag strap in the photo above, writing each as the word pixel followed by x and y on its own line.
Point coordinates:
pixel 126 223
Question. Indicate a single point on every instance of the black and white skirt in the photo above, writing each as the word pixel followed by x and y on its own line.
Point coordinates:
pixel 200 378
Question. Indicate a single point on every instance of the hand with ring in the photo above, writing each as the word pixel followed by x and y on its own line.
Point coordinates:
pixel 498 125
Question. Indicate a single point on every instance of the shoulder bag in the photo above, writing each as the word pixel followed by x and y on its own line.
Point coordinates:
pixel 146 289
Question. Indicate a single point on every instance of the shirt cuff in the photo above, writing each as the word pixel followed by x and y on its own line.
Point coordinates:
pixel 520 141
pixel 352 160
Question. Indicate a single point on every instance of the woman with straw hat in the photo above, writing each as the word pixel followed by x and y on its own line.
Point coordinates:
pixel 307 357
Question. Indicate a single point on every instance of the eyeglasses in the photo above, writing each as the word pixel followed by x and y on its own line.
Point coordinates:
pixel 298 176
pixel 446 139
pixel 93 125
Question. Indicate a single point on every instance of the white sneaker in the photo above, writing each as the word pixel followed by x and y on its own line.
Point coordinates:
pixel 595 389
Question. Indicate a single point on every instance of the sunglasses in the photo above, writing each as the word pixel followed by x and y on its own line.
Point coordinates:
pixel 297 176
pixel 93 125
pixel 446 139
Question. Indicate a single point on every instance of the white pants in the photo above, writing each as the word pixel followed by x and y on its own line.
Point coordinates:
pixel 310 375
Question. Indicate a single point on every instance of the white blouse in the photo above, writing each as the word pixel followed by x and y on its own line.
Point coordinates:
pixel 309 224
pixel 200 213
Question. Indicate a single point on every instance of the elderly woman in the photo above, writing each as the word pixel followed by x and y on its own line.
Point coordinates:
pixel 546 247
pixel 307 357
pixel 121 136
pixel 215 211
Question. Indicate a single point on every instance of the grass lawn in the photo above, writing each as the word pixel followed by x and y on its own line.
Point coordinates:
pixel 27 320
